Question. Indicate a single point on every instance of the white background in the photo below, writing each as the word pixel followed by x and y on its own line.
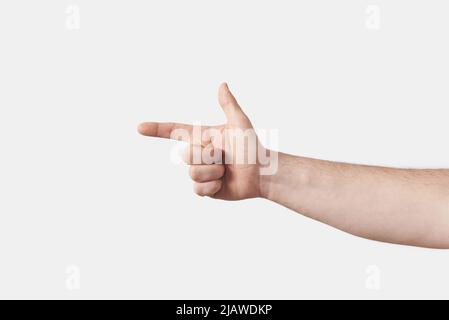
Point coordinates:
pixel 90 209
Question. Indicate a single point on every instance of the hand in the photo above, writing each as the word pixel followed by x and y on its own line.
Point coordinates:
pixel 405 206
pixel 228 167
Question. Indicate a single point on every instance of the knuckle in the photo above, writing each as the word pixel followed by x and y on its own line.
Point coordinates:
pixel 198 190
pixel 215 186
pixel 194 173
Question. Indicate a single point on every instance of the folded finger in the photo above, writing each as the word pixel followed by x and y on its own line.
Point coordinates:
pixel 205 173
pixel 207 189
pixel 197 155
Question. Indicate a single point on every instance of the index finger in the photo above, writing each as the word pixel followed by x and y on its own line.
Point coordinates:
pixel 166 130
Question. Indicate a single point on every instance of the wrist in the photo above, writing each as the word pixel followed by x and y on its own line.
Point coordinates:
pixel 265 186
pixel 270 174
pixel 292 174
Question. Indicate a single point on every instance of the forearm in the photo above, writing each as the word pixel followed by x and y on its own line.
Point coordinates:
pixel 393 205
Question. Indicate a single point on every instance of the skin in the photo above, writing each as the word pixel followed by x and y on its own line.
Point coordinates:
pixel 402 206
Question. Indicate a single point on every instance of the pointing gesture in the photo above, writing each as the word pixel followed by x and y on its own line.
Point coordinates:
pixel 405 206
pixel 219 157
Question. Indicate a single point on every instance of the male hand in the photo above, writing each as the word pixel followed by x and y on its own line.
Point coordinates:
pixel 224 164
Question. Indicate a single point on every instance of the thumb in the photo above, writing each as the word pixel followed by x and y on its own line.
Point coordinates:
pixel 229 104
